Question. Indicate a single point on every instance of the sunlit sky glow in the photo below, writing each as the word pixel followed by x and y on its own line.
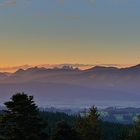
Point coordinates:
pixel 69 31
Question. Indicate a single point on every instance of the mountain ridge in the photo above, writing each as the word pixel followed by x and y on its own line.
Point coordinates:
pixel 67 67
pixel 69 85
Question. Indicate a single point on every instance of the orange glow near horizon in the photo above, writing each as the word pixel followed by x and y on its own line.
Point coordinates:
pixel 81 32
pixel 12 69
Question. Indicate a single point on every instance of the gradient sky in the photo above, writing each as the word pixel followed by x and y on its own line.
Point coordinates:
pixel 69 31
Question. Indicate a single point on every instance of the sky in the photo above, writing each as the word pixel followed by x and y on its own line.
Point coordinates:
pixel 35 32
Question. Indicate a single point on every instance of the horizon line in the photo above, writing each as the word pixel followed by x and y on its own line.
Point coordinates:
pixel 12 69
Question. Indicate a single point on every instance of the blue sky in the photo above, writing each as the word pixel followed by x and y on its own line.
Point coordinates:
pixel 69 31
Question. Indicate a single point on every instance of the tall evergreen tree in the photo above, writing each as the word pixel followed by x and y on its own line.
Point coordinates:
pixel 88 127
pixel 64 131
pixel 21 121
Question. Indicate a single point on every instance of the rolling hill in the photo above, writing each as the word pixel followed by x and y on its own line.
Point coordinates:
pixel 72 86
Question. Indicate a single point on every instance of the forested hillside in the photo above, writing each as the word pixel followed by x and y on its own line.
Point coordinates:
pixel 23 120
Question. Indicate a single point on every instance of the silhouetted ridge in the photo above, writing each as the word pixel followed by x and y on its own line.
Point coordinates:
pixel 132 70
pixel 135 67
pixel 20 71
pixel 102 69
pixel 67 68
pixel 41 70
pixel 36 69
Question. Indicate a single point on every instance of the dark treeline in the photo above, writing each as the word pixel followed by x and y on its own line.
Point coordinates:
pixel 110 131
pixel 23 121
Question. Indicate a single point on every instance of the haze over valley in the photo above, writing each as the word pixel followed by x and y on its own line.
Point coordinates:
pixel 72 87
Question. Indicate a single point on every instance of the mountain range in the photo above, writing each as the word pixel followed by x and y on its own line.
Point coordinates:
pixel 72 86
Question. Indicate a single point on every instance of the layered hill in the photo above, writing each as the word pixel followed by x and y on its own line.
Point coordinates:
pixel 68 85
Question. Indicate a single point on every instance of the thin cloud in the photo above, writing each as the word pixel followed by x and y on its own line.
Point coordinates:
pixel 13 68
pixel 8 3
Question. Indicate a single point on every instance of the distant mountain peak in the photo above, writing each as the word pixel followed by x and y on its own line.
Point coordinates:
pixel 66 68
pixel 136 66
pixel 20 71
pixel 32 69
pixel 133 69
pixel 98 68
